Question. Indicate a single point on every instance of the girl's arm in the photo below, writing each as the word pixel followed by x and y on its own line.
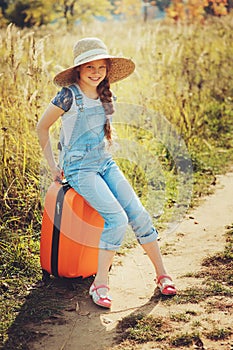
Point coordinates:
pixel 50 116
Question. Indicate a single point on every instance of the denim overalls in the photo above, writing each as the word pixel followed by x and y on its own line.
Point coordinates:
pixel 92 172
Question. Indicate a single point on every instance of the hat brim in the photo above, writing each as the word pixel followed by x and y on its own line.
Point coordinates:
pixel 121 68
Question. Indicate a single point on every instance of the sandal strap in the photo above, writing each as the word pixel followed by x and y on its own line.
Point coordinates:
pixel 99 299
pixel 105 297
pixel 163 276
pixel 98 287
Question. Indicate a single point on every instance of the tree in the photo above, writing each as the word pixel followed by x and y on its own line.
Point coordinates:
pixel 127 8
pixel 27 13
pixel 163 4
pixel 3 6
pixel 15 13
pixel 160 4
pixel 196 10
pixel 217 7
pixel 82 9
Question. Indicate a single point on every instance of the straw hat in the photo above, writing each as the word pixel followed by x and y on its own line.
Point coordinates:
pixel 91 49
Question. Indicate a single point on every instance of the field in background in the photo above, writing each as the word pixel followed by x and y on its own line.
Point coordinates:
pixel 183 73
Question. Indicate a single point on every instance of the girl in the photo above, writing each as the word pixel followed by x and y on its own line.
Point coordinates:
pixel 85 106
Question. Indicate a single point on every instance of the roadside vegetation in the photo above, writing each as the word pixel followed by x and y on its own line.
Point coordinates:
pixel 192 326
pixel 184 73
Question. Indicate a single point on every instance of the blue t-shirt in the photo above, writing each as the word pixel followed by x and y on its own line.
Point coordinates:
pixel 63 99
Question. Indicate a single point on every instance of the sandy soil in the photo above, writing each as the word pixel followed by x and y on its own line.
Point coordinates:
pixel 132 282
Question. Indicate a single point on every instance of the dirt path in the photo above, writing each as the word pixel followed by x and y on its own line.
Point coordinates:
pixel 199 235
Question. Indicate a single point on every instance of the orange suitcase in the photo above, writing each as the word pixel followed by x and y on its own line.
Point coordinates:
pixel 70 234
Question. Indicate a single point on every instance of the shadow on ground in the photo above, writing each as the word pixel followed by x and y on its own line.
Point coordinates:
pixel 45 304
pixel 62 303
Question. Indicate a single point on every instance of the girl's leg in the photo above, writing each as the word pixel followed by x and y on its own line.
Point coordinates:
pixel 164 281
pixel 105 259
pixel 138 217
pixel 153 252
pixel 140 221
pixel 94 189
pixel 99 288
pixel 97 193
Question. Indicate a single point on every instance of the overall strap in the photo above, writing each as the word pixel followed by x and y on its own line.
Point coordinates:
pixel 80 107
pixel 78 97
pixel 80 111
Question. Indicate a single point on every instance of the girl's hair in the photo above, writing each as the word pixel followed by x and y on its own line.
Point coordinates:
pixel 105 95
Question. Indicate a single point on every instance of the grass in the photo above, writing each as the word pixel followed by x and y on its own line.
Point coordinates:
pixel 219 267
pixel 183 316
pixel 216 274
pixel 218 333
pixel 142 328
pixel 183 339
pixel 194 99
pixel 196 295
pixel 188 327
pixel 181 91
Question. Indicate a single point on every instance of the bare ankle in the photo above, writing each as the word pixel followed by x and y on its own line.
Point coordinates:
pixel 102 281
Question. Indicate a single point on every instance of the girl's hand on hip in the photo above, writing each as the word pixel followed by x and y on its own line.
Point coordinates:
pixel 57 173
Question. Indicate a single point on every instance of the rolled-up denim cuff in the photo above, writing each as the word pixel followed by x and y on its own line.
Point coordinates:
pixel 148 238
pixel 108 246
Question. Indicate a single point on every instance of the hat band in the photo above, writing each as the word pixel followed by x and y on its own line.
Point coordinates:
pixel 89 54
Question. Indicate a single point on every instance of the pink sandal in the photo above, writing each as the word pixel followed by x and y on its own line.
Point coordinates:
pixel 166 288
pixel 98 299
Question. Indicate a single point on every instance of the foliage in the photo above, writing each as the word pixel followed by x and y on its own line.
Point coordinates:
pixel 190 326
pixel 190 86
pixel 196 98
pixel 19 256
pixel 141 328
pixel 197 10
pixel 126 8
pixel 83 10
pixel 183 72
pixel 161 4
pixel 26 13
pixel 24 61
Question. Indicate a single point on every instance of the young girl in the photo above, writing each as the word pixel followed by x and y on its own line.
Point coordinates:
pixel 85 106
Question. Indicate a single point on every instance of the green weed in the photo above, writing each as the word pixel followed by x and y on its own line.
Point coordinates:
pixel 177 317
pixel 218 268
pixel 183 339
pixel 218 333
pixel 142 328
pixel 214 294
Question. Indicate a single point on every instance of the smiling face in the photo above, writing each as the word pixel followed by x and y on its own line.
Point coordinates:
pixel 91 74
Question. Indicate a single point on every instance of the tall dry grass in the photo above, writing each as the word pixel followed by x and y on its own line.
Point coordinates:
pixel 183 72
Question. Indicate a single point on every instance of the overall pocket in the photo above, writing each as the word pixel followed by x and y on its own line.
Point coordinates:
pixel 73 162
pixel 74 157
